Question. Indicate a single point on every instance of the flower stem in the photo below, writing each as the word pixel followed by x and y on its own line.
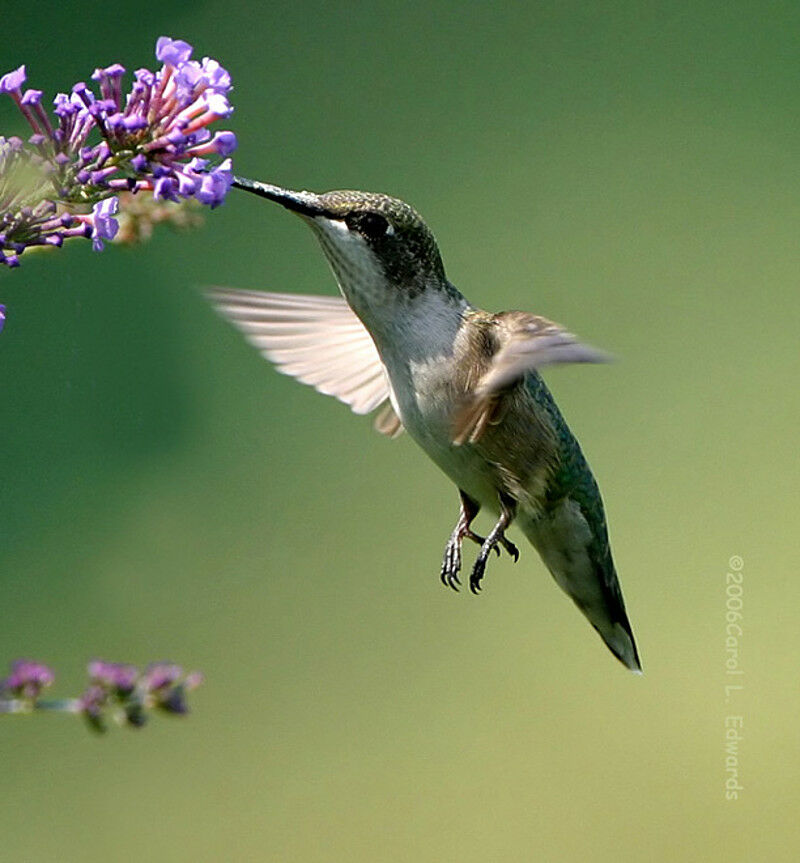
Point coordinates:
pixel 51 705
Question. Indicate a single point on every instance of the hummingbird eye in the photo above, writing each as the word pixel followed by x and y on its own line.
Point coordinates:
pixel 373 226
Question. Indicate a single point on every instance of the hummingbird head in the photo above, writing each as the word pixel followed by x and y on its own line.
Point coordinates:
pixel 382 254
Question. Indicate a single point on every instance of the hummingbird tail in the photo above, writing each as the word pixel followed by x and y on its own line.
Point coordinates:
pixel 619 640
pixel 566 543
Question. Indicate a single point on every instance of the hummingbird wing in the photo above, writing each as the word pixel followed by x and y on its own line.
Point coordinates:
pixel 317 340
pixel 526 343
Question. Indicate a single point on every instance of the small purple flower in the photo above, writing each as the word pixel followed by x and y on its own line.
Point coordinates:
pixel 193 77
pixel 144 77
pixel 172 51
pixel 166 686
pixel 174 700
pixel 160 675
pixel 2 317
pixel 165 189
pixel 219 79
pixel 116 677
pixel 32 97
pixel 27 679
pixel 92 704
pixel 12 81
pixel 115 70
pixel 214 186
pixel 134 123
pixel 64 105
pixel 217 104
pixel 105 225
pixel 82 92
pixel 225 143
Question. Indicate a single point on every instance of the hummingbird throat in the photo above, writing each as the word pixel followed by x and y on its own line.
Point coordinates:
pixel 355 265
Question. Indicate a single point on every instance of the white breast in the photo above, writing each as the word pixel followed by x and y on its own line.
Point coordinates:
pixel 426 406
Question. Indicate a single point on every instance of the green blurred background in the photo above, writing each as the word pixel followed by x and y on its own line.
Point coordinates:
pixel 628 169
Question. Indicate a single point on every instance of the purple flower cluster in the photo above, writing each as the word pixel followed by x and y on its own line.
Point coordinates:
pixel 130 693
pixel 154 138
pixel 116 690
pixel 27 679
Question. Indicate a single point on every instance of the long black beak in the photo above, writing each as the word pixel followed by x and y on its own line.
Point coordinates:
pixel 304 203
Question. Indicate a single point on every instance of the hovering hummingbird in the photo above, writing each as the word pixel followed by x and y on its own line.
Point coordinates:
pixel 464 383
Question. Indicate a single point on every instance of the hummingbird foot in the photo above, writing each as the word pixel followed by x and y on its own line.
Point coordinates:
pixel 451 564
pixel 495 538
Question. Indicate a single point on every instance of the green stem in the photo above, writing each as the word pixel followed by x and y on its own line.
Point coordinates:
pixel 53 705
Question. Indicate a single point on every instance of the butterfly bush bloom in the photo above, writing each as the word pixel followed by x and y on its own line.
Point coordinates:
pixel 115 691
pixel 156 138
pixel 128 694
pixel 27 679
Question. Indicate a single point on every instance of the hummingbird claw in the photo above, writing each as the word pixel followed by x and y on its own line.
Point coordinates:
pixel 450 579
pixel 477 576
pixel 479 569
pixel 509 546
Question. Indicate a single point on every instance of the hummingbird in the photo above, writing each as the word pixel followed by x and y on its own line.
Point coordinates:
pixel 462 382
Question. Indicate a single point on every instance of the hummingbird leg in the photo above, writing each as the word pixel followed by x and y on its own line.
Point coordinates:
pixel 508 509
pixel 451 565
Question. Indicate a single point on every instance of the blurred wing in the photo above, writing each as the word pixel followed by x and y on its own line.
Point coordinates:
pixel 528 343
pixel 319 341
pixel 531 343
